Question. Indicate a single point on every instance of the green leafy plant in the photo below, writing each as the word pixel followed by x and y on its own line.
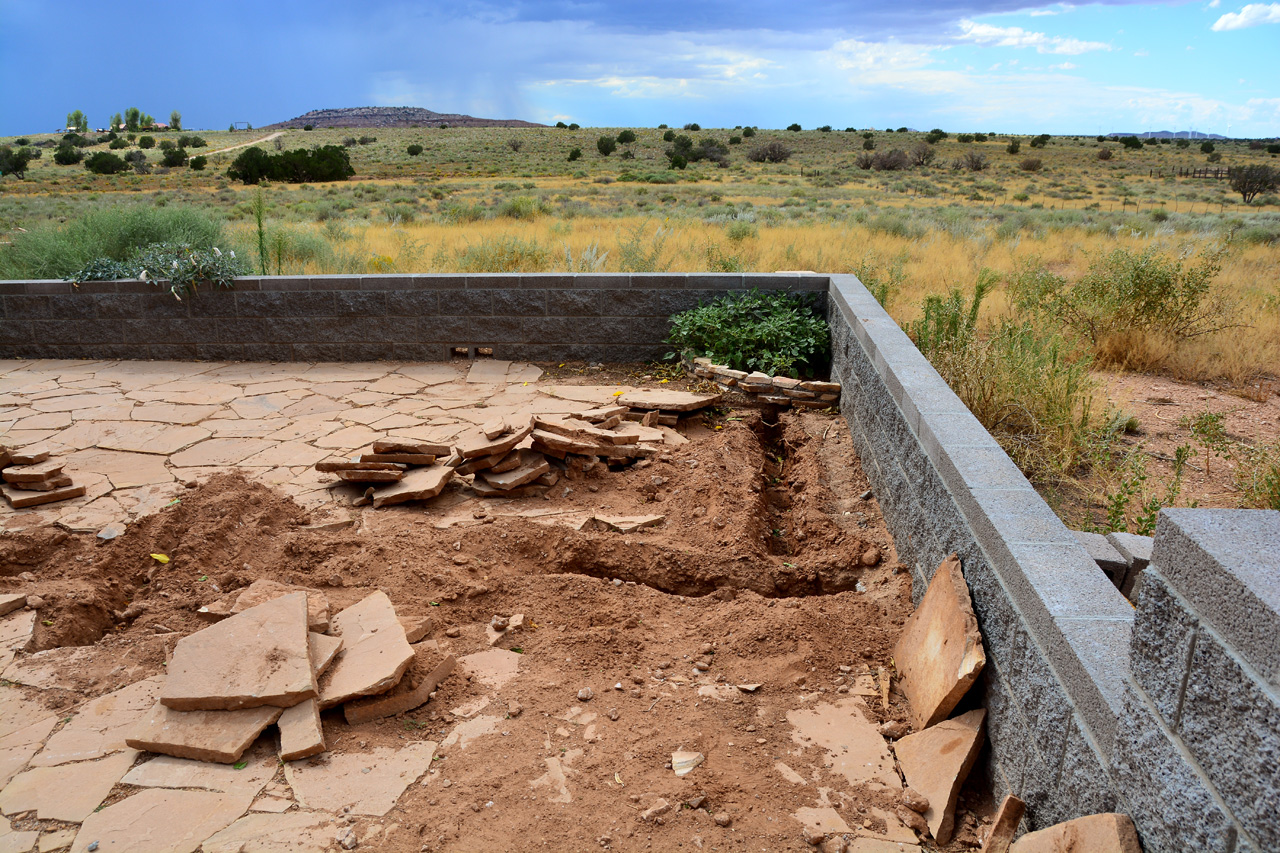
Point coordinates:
pixel 1257 476
pixel 105 163
pixel 774 332
pixel 177 268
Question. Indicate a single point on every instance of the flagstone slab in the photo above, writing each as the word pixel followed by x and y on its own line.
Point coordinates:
pixel 1097 833
pixel 264 590
pixel 936 762
pixel 304 429
pixel 17 712
pixel 488 371
pixel 431 374
pixel 256 657
pixel 313 404
pixel 296 832
pixel 287 453
pixel 100 727
pixel 71 402
pixel 370 782
pixel 854 747
pixel 492 667
pixel 165 771
pixel 262 406
pixel 221 736
pixel 68 792
pixel 125 470
pixel 416 485
pixel 172 413
pixel 349 438
pixel 47 420
pixel 375 653
pixel 301 734
pixel 219 451
pixel 668 400
pixel 16 748
pixel 939 652
pixel 323 650
pixel 164 439
pixel 157 819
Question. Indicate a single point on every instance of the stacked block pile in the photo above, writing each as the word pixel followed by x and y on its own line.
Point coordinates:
pixel 766 389
pixel 31 478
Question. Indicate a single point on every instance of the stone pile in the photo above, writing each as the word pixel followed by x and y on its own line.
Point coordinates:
pixel 31 478
pixel 525 455
pixel 274 657
pixel 773 390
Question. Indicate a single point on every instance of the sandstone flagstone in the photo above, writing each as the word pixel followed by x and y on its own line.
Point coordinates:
pixel 263 590
pixel 159 820
pixel 416 485
pixel 16 748
pixel 101 726
pixel 171 413
pixel 668 400
pixel 219 451
pixel 256 657
pixel 936 762
pixel 1098 833
pixel 296 832
pixel 125 470
pixel 151 437
pixel 20 498
pixel 165 771
pixel 475 444
pixel 370 782
pixel 532 465
pixel 11 602
pixel 412 692
pixel 323 649
pixel 220 736
pixel 939 652
pixel 68 792
pixel 301 733
pixel 349 438
pixel 374 655
pixel 492 667
pixel 287 453
pixel 1005 826
pixel 826 821
pixel 854 748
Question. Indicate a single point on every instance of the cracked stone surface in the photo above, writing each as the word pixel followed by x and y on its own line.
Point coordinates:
pixel 369 782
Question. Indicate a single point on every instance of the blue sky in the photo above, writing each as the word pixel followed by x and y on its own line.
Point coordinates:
pixel 979 65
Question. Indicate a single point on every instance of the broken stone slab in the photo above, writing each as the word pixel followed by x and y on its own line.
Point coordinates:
pixel 1098 833
pixel 424 448
pixel 936 762
pixel 484 490
pixel 322 649
pixel 36 473
pixel 939 652
pixel 15 840
pixel 481 463
pixel 23 498
pixel 507 463
pixel 683 761
pixel 374 656
pixel 476 444
pixel 532 466
pixel 402 698
pixel 332 466
pixel 102 726
pixel 419 484
pixel 493 667
pixel 11 602
pixel 17 747
pixel 416 627
pixel 398 458
pixel 1005 825
pixel 593 434
pixel 295 832
pixel 363 475
pixel 1136 551
pixel 257 657
pixel 369 782
pixel 494 428
pixel 165 771
pixel 301 734
pixel 854 747
pixel 58 481
pixel 28 456
pixel 601 414
pixel 621 524
pixel 504 637
pixel 264 590
pixel 821 823
pixel 667 400
pixel 68 792
pixel 159 819
pixel 560 446
pixel 220 736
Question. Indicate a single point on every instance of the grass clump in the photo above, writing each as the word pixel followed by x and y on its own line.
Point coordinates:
pixel 504 254
pixel 774 332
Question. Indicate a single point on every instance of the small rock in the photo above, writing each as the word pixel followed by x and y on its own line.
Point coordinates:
pixel 701 666
pixel 27 576
pixel 93 846
pixel 834 844
pixel 799 681
pixel 111 531
pixel 707 649
pixel 499 623
pixel 914 800
pixel 659 807
pixel 514 709
pixel 613 714
pixel 894 729
pixel 813 837
pixel 347 840
pixel 871 557
pixel 453 632
pixel 722 819
pixel 846 668
pixel 447 783
pixel 618 686
pixel 696 802
pixel 913 820
pixel 35 602
pixel 585 694
pixel 865 495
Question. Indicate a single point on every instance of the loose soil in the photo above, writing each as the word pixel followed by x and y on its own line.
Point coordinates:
pixel 768 564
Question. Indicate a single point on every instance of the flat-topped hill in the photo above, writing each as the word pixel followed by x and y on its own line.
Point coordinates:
pixel 393 117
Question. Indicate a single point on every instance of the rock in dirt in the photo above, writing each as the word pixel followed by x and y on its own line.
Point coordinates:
pixel 532 465
pixel 419 484
pixel 220 736
pixel 1099 833
pixel 264 590
pixel 257 657
pixel 660 807
pixel 301 734
pixel 936 762
pixel 914 800
pixel 894 729
pixel 939 652
pixel 621 524
pixel 1005 826
pixel 683 762
pixel 854 748
pixel 374 656
pixel 476 444
pixel 722 819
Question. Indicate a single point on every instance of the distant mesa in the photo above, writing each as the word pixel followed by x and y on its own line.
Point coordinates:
pixel 1169 134
pixel 393 117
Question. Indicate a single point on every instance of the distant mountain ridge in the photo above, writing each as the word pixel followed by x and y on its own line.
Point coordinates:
pixel 1169 134
pixel 392 117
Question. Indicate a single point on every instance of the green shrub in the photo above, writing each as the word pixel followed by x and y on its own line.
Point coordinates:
pixel 735 140
pixel 575 154
pixel 522 207
pixel 327 163
pixel 794 128
pixel 935 136
pixel 1206 147
pixel 669 135
pixel 826 128
pixel 747 133
pixel 1124 291
pixel 146 142
pixel 1257 476
pixel 308 127
pixel 67 155
pixel 606 145
pixel 1014 147
pixel 774 332
pixel 626 137
pixel 1131 142
pixel 739 231
pixel 105 163
pixel 199 162
pixel 13 161
pixel 414 150
pixel 174 157
pixel 117 144
pixel 167 145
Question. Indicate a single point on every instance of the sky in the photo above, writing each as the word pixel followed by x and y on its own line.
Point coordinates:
pixel 963 65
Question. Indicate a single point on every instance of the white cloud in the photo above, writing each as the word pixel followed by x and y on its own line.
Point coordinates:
pixel 1063 66
pixel 988 34
pixel 1213 4
pixel 1141 53
pixel 1042 13
pixel 1252 15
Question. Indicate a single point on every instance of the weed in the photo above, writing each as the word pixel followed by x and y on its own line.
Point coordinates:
pixel 774 332
pixel 504 254
pixel 636 253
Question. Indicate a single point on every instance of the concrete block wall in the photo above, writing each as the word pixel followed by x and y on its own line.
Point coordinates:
pixel 1173 721
pixel 528 317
